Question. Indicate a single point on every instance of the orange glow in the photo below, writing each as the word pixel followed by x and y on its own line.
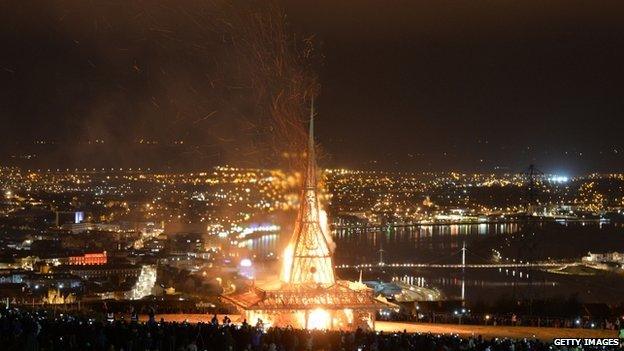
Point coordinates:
pixel 89 259
pixel 287 259
pixel 324 221
pixel 348 315
pixel 307 258
pixel 319 319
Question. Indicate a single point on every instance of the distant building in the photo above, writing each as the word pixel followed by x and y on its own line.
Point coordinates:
pixel 615 257
pixel 89 259
pixel 77 228
pixel 100 271
pixel 41 281
pixel 12 277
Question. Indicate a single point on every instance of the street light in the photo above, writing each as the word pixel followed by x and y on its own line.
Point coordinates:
pixel 459 315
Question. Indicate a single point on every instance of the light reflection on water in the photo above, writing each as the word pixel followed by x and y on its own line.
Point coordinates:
pixel 423 243
pixel 442 244
pixel 264 244
pixel 400 244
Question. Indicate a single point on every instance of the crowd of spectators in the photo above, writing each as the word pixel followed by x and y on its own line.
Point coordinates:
pixel 31 331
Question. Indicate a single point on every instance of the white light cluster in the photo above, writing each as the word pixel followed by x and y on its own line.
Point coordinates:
pixel 558 179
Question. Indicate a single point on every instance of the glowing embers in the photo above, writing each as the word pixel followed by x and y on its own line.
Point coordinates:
pixel 319 319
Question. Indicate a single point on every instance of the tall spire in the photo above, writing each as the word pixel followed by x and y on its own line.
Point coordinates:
pixel 311 260
pixel 311 167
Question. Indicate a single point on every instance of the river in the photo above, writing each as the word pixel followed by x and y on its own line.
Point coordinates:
pixel 443 244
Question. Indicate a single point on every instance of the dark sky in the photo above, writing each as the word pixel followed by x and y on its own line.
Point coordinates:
pixel 410 85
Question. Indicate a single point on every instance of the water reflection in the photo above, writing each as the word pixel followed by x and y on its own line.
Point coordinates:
pixel 421 243
pixel 358 245
pixel 443 243
pixel 264 244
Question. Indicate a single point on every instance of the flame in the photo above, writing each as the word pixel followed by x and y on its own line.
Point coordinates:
pixel 319 319
pixel 287 260
pixel 323 220
pixel 325 228
pixel 300 317
pixel 348 315
pixel 324 272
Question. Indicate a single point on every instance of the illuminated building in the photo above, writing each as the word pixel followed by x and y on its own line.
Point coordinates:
pixel 100 271
pixel 89 259
pixel 145 283
pixel 308 295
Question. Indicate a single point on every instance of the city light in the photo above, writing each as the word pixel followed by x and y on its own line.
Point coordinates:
pixel 161 185
pixel 558 179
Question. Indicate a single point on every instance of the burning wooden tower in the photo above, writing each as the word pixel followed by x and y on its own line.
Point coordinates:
pixel 308 294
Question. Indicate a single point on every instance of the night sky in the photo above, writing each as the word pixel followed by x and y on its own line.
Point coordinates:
pixel 405 85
